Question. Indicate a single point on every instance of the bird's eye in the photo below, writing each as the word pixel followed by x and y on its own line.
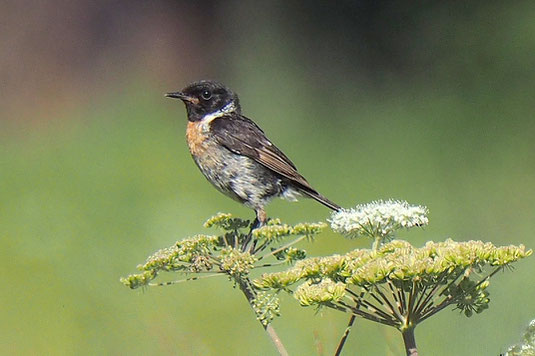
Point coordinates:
pixel 206 95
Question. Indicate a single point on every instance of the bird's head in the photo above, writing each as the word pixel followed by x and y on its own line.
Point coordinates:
pixel 207 97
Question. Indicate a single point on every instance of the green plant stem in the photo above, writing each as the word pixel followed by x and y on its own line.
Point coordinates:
pixel 376 243
pixel 345 335
pixel 162 284
pixel 247 288
pixel 282 248
pixel 410 342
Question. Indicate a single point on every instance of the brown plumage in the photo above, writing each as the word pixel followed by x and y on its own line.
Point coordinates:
pixel 234 153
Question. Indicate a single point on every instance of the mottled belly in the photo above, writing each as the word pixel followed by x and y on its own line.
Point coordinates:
pixel 239 177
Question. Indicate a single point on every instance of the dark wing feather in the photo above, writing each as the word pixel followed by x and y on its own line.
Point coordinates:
pixel 242 136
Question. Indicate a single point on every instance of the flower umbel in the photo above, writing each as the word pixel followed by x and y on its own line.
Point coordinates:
pixel 527 346
pixel 399 285
pixel 235 252
pixel 379 219
pixel 324 292
pixel 266 307
pixel 394 283
pixel 236 262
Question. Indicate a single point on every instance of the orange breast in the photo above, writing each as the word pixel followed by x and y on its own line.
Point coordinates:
pixel 196 138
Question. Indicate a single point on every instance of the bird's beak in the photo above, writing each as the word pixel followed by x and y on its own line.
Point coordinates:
pixel 183 97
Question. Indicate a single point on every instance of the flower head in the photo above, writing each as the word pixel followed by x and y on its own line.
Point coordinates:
pixel 527 346
pixel 180 254
pixel 266 307
pixel 236 262
pixel 378 219
pixel 326 291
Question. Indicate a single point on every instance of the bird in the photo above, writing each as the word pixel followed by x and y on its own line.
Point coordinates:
pixel 234 154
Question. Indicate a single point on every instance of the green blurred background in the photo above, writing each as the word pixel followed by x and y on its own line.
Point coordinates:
pixel 428 102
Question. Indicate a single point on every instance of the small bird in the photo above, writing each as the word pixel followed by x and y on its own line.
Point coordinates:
pixel 235 155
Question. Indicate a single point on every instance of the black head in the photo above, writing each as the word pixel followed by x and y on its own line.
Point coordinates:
pixel 206 97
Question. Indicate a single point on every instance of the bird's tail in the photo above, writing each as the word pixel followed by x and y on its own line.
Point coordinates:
pixel 320 198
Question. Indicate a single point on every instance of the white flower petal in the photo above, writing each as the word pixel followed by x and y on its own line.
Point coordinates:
pixel 378 218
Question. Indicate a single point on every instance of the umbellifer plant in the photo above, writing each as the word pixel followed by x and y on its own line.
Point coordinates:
pixel 394 283
pixel 234 252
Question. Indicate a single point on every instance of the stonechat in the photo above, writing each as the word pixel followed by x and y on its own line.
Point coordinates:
pixel 235 155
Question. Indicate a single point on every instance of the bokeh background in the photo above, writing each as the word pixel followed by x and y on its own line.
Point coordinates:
pixel 429 102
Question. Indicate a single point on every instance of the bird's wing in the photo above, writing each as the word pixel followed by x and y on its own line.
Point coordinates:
pixel 242 136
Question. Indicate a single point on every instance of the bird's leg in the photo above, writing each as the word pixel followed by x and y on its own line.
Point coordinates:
pixel 259 221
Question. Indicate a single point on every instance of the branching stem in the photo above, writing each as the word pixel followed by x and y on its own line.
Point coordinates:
pixel 345 335
pixel 185 280
pixel 282 248
pixel 247 289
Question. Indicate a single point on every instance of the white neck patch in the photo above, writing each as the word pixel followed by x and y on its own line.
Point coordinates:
pixel 207 119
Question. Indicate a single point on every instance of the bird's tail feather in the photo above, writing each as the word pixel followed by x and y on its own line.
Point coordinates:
pixel 320 198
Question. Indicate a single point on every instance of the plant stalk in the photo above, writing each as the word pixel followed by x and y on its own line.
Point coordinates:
pixel 410 342
pixel 345 335
pixel 247 288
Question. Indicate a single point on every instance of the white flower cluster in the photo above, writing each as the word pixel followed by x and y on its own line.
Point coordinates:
pixel 526 348
pixel 378 219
